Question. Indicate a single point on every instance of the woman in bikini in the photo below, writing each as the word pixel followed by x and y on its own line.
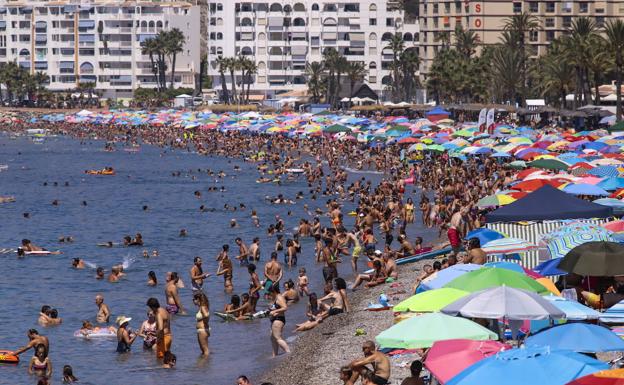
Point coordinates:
pixel 40 364
pixel 202 317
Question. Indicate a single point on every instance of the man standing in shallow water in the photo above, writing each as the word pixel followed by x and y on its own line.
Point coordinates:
pixel 103 313
pixel 163 328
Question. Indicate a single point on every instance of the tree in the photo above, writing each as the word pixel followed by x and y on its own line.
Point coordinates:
pixel 409 63
pixel 397 46
pixel 356 71
pixel 249 69
pixel 507 73
pixel 330 60
pixel 517 28
pixel 552 72
pixel 316 86
pixel 582 34
pixel 222 63
pixel 174 41
pixel 150 48
pixel 614 34
pixel 233 66
pixel 465 41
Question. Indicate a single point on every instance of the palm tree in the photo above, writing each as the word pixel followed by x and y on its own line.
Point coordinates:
pixel 149 47
pixel 222 63
pixel 553 74
pixel 330 59
pixel 174 44
pixel 249 69
pixel 341 65
pixel 397 46
pixel 356 71
pixel 410 64
pixel 614 33
pixel 582 34
pixel 507 70
pixel 599 63
pixel 233 65
pixel 466 41
pixel 517 27
pixel 315 72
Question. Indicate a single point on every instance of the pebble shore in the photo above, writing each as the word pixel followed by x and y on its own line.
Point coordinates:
pixel 318 354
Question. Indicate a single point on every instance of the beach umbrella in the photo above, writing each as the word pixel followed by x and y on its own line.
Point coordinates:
pixel 567 237
pixel 573 310
pixel 614 314
pixel 517 164
pixel 417 147
pixel 549 268
pixel 429 301
pixel 599 259
pixel 584 189
pixel 442 277
pixel 484 235
pixel 507 246
pixel 513 267
pixel 422 331
pixel 488 277
pixel 495 200
pixel 335 128
pixel 504 302
pixel 578 337
pixel 534 184
pixel 549 164
pixel 604 171
pixel 615 226
pixel 446 359
pixel 549 285
pixel 536 365
pixel 603 377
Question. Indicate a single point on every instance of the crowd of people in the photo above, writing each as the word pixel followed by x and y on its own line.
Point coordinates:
pixel 377 238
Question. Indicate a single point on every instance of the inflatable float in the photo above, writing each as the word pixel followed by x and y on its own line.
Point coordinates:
pixel 98 333
pixel 229 317
pixel 295 170
pixel 7 357
pixel 100 172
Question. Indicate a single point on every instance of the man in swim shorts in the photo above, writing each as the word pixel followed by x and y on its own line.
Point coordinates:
pixel 272 272
pixel 174 305
pixel 379 362
pixel 164 337
pixel 103 313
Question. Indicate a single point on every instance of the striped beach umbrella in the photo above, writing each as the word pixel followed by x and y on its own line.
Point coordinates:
pixel 604 171
pixel 508 246
pixel 560 241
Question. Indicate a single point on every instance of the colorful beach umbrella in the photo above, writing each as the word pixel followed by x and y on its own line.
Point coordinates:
pixel 603 377
pixel 495 200
pixel 584 189
pixel 504 302
pixel 577 337
pixel 488 277
pixel 446 359
pixel 442 277
pixel 424 330
pixel 484 235
pixel 535 365
pixel 507 246
pixel 549 268
pixel 573 310
pixel 549 164
pixel 429 301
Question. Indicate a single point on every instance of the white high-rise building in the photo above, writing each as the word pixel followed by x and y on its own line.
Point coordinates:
pixel 99 41
pixel 282 35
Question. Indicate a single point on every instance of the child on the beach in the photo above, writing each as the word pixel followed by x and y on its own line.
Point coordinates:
pixel 302 283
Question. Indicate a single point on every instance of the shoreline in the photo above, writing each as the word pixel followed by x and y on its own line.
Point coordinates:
pixel 317 355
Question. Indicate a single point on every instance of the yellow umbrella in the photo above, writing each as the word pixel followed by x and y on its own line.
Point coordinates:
pixel 548 284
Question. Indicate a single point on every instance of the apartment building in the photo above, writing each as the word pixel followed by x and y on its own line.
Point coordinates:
pixel 282 35
pixel 100 41
pixel 487 19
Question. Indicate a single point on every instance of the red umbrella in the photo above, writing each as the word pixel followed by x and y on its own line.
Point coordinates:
pixel 448 358
pixel 524 173
pixel 534 184
pixel 408 140
pixel 603 377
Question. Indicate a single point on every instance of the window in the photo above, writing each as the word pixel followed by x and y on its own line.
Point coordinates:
pixel 550 7
pixel 566 7
pixel 389 22
pixel 517 7
pixel 567 22
pixel 435 8
pixel 447 8
pixel 550 36
pixel 600 21
pixel 534 7
pixel 600 10
pixel 315 7
pixel 533 36
pixel 457 7
pixel 549 22
pixel 372 21
pixel 583 7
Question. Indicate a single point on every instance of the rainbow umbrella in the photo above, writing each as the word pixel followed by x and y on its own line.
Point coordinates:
pixel 495 200
pixel 603 377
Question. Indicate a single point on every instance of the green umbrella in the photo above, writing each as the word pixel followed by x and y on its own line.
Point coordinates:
pixel 400 127
pixel 436 147
pixel 422 331
pixel 617 127
pixel 333 129
pixel 464 133
pixel 598 259
pixel 430 301
pixel 549 164
pixel 517 164
pixel 492 277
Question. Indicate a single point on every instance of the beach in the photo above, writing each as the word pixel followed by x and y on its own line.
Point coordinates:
pixel 319 353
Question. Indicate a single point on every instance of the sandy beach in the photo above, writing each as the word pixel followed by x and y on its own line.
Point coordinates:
pixel 318 354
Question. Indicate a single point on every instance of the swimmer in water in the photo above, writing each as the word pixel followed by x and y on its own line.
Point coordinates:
pixel 103 313
pixel 78 263
pixel 99 273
